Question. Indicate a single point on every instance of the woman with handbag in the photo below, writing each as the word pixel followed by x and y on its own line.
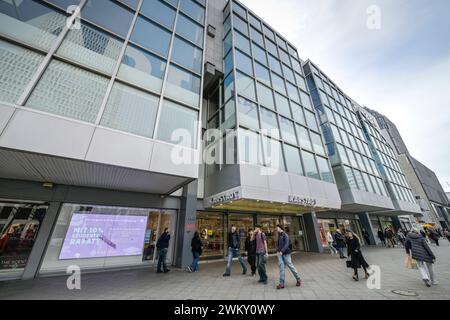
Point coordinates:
pixel 418 249
pixel 356 258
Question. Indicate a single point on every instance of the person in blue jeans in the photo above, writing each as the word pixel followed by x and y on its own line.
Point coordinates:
pixel 163 246
pixel 196 247
pixel 234 248
pixel 284 258
pixel 261 253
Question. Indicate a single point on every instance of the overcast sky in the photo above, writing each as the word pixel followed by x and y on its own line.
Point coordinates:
pixel 401 70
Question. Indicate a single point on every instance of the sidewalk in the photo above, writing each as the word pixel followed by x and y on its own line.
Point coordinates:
pixel 323 277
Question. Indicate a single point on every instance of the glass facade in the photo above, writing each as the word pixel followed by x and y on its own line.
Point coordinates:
pixel 263 73
pixel 119 69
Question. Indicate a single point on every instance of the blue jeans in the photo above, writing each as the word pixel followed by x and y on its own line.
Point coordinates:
pixel 262 266
pixel 196 257
pixel 283 262
pixel 162 259
pixel 233 253
pixel 341 252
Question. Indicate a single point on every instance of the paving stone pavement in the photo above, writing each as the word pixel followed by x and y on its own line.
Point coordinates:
pixel 324 277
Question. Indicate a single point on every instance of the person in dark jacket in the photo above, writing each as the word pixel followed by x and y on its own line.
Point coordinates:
pixel 250 248
pixel 356 256
pixel 434 235
pixel 163 246
pixel 366 236
pixel 234 248
pixel 339 238
pixel 389 235
pixel 196 248
pixel 417 248
pixel 284 258
pixel 381 237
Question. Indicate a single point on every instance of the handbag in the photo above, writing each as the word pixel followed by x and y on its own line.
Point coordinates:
pixel 410 263
pixel 348 262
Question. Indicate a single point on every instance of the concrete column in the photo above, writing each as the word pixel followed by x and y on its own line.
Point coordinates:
pixel 366 224
pixel 186 225
pixel 42 239
pixel 312 232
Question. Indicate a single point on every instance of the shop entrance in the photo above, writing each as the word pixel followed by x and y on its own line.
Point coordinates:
pixel 243 223
pixel 19 227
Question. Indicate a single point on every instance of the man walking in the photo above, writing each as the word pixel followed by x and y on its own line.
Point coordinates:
pixel 234 248
pixel 340 243
pixel 284 258
pixel 163 246
pixel 261 253
pixel 250 247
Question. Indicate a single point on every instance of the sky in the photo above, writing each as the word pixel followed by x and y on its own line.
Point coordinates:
pixel 395 60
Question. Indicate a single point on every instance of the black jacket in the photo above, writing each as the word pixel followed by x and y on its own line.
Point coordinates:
pixel 433 234
pixel 381 235
pixel 234 240
pixel 339 238
pixel 417 244
pixel 196 245
pixel 283 243
pixel 250 246
pixel 354 252
pixel 163 241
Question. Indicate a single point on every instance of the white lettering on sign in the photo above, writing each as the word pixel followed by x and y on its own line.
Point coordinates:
pixel 302 201
pixel 232 196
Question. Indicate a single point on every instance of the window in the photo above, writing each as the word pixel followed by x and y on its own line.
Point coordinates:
pixel 109 15
pixel 142 68
pixel 91 47
pixel 16 70
pixel 193 10
pixel 254 22
pixel 245 86
pixel 271 47
pixel 343 154
pixel 158 11
pixel 288 74
pixel 369 186
pixel 131 110
pixel 151 36
pixel 228 63
pixel 269 33
pixel 281 42
pixel 293 162
pixel 244 63
pixel 278 83
pixel 183 86
pixel 256 36
pixel 310 165
pixel 265 96
pixel 285 57
pixel 292 92
pixel 259 54
pixel 262 74
pixel 176 121
pixel 239 10
pixel 241 42
pixel 39 25
pixel 317 143
pixel 297 113
pixel 229 87
pixel 190 30
pixel 282 105
pixel 250 149
pixel 311 120
pixel 248 113
pixel 350 177
pixel 287 130
pixel 227 44
pixel 301 82
pixel 81 102
pixel 274 154
pixel 187 55
pixel 359 180
pixel 269 122
pixel 240 25
pixel 303 137
pixel 275 64
pixel 324 169
pixel 306 101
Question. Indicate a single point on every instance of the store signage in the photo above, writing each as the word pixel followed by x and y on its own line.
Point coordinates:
pixel 226 197
pixel 309 202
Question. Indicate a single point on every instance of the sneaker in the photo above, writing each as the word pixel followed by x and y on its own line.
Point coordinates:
pixel 280 286
pixel 427 282
pixel 299 283
pixel 244 272
pixel 265 282
pixel 226 274
pixel 189 269
pixel 166 271
pixel 434 283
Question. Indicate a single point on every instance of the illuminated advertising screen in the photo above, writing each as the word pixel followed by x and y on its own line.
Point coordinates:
pixel 103 235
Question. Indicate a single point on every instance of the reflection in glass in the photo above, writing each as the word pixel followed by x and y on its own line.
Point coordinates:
pixel 183 86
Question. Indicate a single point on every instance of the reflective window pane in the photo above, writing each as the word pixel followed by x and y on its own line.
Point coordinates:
pixel 269 122
pixel 159 12
pixel 311 120
pixel 193 10
pixel 293 162
pixel 244 63
pixel 241 42
pixel 265 96
pixel 275 64
pixel 254 21
pixel 259 54
pixel 245 86
pixel 142 68
pixel 190 30
pixel 250 148
pixel 274 154
pixel 303 137
pixel 187 55
pixel 262 73
pixel 248 113
pixel 271 47
pixel 91 47
pixel 256 36
pixel 81 102
pixel 287 130
pixel 282 105
pixel 17 67
pixel 325 170
pixel 240 25
pixel 109 15
pixel 297 113
pixel 310 165
pixel 317 143
pixel 131 110
pixel 288 74
pixel 239 10
pixel 151 36
pixel 293 92
pixel 178 125
pixel 278 83
pixel 306 101
pixel 183 86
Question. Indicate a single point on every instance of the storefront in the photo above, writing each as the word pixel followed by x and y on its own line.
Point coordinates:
pixel 330 222
pixel 214 228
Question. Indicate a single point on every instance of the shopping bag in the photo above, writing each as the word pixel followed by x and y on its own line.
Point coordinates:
pixel 410 263
pixel 348 263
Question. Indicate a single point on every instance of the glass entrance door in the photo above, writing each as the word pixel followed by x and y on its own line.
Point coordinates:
pixel 211 227
pixel 243 223
pixel 295 232
pixel 151 234
pixel 19 227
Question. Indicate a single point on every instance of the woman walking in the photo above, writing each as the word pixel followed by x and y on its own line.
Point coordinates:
pixel 417 248
pixel 355 255
pixel 250 247
pixel 196 247
pixel 330 243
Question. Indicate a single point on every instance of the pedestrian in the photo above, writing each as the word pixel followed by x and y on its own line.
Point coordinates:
pixel 381 237
pixel 163 246
pixel 250 248
pixel 234 248
pixel 331 243
pixel 197 249
pixel 434 235
pixel 339 238
pixel 447 234
pixel 284 250
pixel 261 253
pixel 355 255
pixel 366 236
pixel 389 235
pixel 418 249
pixel 400 237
